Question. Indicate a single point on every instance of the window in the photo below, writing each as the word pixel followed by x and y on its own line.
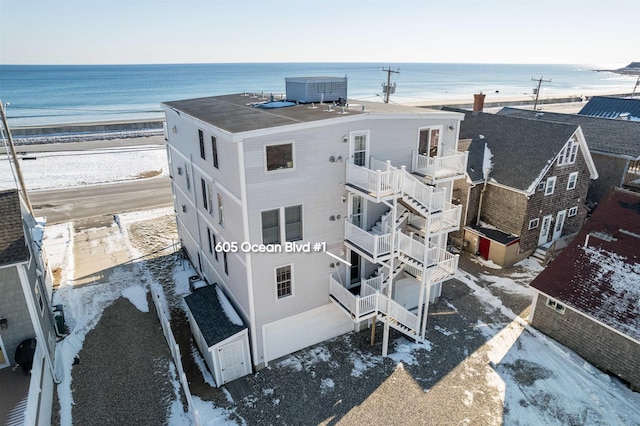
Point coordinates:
pixel 226 264
pixel 573 180
pixel 541 186
pixel 220 210
pixel 201 139
pixel 214 243
pixel 569 153
pixel 284 281
pixel 36 289
pixel 186 172
pixel 293 221
pixel 271 227
pixel 550 186
pixel 210 198
pixel 279 157
pixel 205 202
pixel 428 142
pixel 533 223
pixel 555 305
pixel 573 211
pixel 272 232
pixel 209 239
pixel 214 149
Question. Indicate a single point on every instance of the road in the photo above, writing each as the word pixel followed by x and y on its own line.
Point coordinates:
pixel 86 202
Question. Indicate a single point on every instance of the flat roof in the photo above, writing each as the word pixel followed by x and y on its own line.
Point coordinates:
pixel 238 113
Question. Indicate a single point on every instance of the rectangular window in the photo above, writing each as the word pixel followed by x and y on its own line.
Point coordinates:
pixel 215 243
pixel 569 153
pixel 541 186
pixel 573 180
pixel 226 264
pixel 533 223
pixel 428 140
pixel 209 239
pixel 551 186
pixel 279 157
pixel 36 289
pixel 220 210
pixel 214 148
pixel 210 198
pixel 293 223
pixel 205 202
pixel 271 226
pixel 186 173
pixel 555 305
pixel 284 286
pixel 201 139
pixel 573 211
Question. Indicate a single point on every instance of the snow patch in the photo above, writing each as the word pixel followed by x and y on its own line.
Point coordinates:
pixel 137 295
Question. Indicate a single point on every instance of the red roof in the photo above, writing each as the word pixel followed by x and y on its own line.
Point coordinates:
pixel 598 274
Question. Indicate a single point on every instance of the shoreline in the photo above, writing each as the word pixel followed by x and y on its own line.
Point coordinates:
pixel 143 128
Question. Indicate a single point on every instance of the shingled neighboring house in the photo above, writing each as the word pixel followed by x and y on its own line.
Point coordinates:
pixel 588 298
pixel 25 307
pixel 526 185
pixel 614 146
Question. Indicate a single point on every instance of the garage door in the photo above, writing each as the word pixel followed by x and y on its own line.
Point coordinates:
pixel 299 331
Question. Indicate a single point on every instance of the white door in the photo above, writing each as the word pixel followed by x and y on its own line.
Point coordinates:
pixel 232 361
pixel 359 148
pixel 557 230
pixel 544 230
pixel 356 211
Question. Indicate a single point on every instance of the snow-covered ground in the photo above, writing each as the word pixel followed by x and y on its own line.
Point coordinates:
pixel 48 170
pixel 564 390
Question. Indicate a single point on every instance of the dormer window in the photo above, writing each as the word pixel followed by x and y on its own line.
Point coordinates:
pixel 569 153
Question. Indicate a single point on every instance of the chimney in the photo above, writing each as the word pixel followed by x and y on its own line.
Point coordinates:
pixel 478 102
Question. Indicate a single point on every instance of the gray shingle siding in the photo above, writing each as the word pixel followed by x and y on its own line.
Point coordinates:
pixel 13 248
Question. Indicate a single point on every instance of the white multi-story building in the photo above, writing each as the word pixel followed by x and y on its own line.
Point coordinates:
pixel 369 183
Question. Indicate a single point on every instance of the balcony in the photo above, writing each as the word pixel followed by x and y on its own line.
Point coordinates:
pixel 448 220
pixel 375 185
pixel 375 247
pixel 451 166
pixel 374 303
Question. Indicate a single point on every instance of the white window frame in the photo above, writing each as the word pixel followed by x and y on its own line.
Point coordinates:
pixel 291 281
pixel 534 223
pixel 572 211
pixel 220 210
pixel 39 298
pixel 282 223
pixel 430 130
pixel 551 183
pixel 203 150
pixel 573 181
pixel 569 153
pixel 293 157
pixel 555 305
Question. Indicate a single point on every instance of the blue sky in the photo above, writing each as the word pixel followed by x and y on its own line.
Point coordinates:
pixel 193 31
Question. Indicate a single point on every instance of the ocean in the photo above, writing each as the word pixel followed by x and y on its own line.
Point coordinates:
pixel 59 94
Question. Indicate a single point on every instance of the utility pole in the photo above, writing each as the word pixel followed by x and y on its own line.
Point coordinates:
pixel 14 158
pixel 635 87
pixel 537 90
pixel 388 88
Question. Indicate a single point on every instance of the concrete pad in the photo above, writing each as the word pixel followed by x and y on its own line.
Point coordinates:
pixel 96 252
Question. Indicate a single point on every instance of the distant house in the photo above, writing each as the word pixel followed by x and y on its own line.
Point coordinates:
pixel 611 107
pixel 588 298
pixel 25 305
pixel 614 146
pixel 526 185
pixel 315 219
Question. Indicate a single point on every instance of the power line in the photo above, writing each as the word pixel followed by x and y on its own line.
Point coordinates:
pixel 388 88
pixel 537 90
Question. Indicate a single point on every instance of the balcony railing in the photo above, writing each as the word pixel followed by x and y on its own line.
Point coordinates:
pixel 452 165
pixel 430 198
pixel 374 245
pixel 446 221
pixel 445 267
pixel 376 183
pixel 363 307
